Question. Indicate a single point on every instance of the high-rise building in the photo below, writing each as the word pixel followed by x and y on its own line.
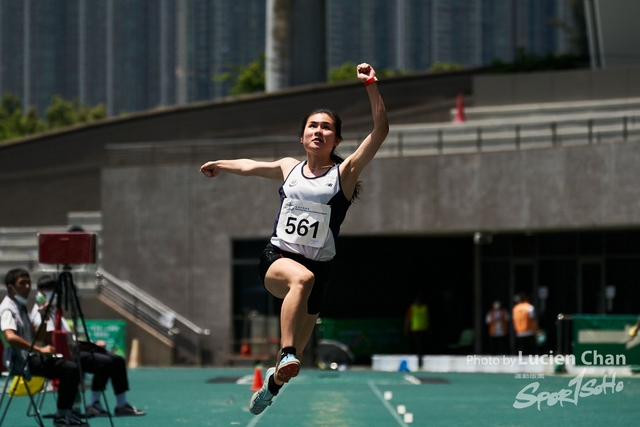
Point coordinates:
pixel 134 55
pixel 412 35
pixel 361 31
pixel 539 27
pixel 129 55
pixel 239 40
pixel 36 50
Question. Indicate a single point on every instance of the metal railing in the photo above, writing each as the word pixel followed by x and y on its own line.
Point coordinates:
pixel 497 135
pixel 516 133
pixel 184 334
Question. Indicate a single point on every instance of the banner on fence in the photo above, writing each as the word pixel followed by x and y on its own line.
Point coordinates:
pixel 112 332
pixel 365 337
pixel 603 340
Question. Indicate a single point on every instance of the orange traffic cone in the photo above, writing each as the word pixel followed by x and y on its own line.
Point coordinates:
pixel 257 379
pixel 134 357
pixel 245 349
pixel 459 118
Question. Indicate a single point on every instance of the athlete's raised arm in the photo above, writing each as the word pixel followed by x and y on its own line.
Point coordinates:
pixel 277 169
pixel 356 162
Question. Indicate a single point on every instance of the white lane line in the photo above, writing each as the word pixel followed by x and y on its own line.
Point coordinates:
pixel 255 419
pixel 386 404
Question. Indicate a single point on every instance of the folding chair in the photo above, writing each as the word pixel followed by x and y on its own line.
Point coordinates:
pixel 86 385
pixel 18 386
pixel 465 341
pixel 51 385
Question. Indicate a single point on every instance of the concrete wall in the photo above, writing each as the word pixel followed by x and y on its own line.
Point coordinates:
pixel 49 175
pixel 556 86
pixel 169 229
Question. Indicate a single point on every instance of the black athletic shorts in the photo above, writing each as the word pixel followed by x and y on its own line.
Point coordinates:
pixel 320 269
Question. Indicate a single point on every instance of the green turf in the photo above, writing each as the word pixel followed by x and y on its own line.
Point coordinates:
pixel 211 397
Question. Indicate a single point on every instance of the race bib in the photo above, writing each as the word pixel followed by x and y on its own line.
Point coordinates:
pixel 304 223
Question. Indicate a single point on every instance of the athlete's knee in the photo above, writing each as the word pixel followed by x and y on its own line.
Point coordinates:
pixel 303 282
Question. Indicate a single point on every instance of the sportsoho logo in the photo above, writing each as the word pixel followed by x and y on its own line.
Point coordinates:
pixel 577 389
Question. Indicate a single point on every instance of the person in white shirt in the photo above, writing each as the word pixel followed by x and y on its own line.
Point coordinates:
pixel 21 357
pixel 498 320
pixel 102 364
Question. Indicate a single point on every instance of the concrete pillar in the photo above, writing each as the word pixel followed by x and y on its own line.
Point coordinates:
pixel 278 45
pixel 181 53
pixel 26 66
pixel 295 43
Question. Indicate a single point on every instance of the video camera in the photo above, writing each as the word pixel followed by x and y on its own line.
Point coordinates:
pixel 63 252
pixel 70 250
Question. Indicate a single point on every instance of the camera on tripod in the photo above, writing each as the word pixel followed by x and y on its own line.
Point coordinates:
pixel 64 252
pixel 69 250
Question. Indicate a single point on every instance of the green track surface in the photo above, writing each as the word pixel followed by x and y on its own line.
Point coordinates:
pixel 356 398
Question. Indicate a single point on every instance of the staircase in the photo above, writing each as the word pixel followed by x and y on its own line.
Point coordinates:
pixel 513 127
pixel 174 330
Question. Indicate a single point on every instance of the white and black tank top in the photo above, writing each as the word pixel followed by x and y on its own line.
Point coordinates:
pixel 311 212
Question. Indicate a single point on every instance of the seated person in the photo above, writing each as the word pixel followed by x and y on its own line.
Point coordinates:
pixel 101 363
pixel 17 336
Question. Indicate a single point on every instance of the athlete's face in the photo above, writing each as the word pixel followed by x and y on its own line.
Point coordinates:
pixel 319 133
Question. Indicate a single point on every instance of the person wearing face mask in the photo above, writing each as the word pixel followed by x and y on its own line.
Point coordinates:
pixel 497 320
pixel 20 357
pixel 102 364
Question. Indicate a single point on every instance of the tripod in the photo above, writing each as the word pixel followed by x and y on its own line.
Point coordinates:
pixel 65 292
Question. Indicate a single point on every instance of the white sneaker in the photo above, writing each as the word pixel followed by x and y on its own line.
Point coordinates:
pixel 288 368
pixel 262 398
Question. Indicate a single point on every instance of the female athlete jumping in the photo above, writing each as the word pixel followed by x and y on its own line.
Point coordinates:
pixel 315 195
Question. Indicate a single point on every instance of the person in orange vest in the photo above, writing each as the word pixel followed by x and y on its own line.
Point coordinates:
pixel 416 326
pixel 525 325
pixel 497 319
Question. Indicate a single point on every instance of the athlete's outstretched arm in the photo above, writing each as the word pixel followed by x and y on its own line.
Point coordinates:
pixel 278 169
pixel 355 163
